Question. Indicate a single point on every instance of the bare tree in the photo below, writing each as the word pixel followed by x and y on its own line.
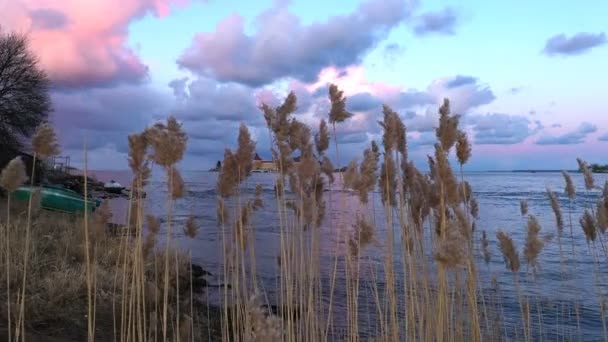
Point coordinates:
pixel 24 98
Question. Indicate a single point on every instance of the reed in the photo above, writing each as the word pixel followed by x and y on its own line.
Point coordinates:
pixel 406 258
pixel 12 176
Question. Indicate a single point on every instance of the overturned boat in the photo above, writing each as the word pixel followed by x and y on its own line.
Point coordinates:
pixel 58 199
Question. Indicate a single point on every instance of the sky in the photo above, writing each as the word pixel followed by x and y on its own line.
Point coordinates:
pixel 526 77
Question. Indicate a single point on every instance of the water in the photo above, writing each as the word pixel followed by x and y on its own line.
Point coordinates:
pixel 499 196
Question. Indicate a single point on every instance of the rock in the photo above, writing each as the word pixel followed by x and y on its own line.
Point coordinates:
pixel 276 310
pixel 198 271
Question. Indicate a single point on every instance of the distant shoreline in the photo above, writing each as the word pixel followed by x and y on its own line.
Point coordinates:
pixel 78 172
pixel 537 171
pixel 472 171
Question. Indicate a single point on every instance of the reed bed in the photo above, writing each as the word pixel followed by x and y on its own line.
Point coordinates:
pixel 428 286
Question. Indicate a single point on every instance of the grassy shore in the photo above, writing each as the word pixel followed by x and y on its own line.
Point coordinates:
pixel 56 289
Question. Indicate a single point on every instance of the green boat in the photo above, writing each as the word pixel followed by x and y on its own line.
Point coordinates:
pixel 58 199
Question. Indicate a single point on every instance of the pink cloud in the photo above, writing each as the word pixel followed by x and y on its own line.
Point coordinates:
pixel 83 43
pixel 353 80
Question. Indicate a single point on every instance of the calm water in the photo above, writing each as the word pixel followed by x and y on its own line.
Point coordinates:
pixel 498 195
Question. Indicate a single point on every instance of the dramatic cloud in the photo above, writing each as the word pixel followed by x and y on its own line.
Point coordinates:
pixel 208 139
pixel 575 137
pixel 283 47
pixel 105 116
pixel 443 22
pixel 205 99
pixel 366 98
pixel 362 102
pixel 464 92
pixel 501 129
pixel 575 45
pixel 212 113
pixel 423 123
pixel 82 46
pixel 410 99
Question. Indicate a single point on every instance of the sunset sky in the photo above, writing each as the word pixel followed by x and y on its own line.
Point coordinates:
pixel 528 76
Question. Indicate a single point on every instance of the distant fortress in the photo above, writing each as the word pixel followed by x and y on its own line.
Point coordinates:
pixel 264 166
pixel 259 165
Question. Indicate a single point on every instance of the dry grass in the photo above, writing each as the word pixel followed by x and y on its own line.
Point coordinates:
pixel 56 290
pixel 72 273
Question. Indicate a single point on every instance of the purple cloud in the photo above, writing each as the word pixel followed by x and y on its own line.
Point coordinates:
pixel 502 129
pixel 603 137
pixel 105 116
pixel 463 97
pixel 412 98
pixel 422 123
pixel 204 99
pixel 575 45
pixel 283 47
pixel 125 69
pixel 442 22
pixel 575 137
pixel 48 19
pixel 460 80
pixel 363 102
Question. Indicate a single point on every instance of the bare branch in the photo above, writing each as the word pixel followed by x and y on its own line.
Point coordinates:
pixel 24 98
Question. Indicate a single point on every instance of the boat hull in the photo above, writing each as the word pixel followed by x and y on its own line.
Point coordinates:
pixel 62 200
pixel 114 189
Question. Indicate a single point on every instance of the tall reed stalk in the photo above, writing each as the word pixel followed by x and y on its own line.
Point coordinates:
pixel 12 176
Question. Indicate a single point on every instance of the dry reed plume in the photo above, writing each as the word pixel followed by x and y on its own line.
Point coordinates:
pixel 509 251
pixel 534 244
pixel 569 188
pixel 587 222
pixel 338 111
pixel 447 132
pixel 587 174
pixel 44 141
pixel 463 148
pixel 434 214
pixel 556 210
pixel 13 175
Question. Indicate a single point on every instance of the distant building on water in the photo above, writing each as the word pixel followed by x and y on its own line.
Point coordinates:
pixel 261 165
